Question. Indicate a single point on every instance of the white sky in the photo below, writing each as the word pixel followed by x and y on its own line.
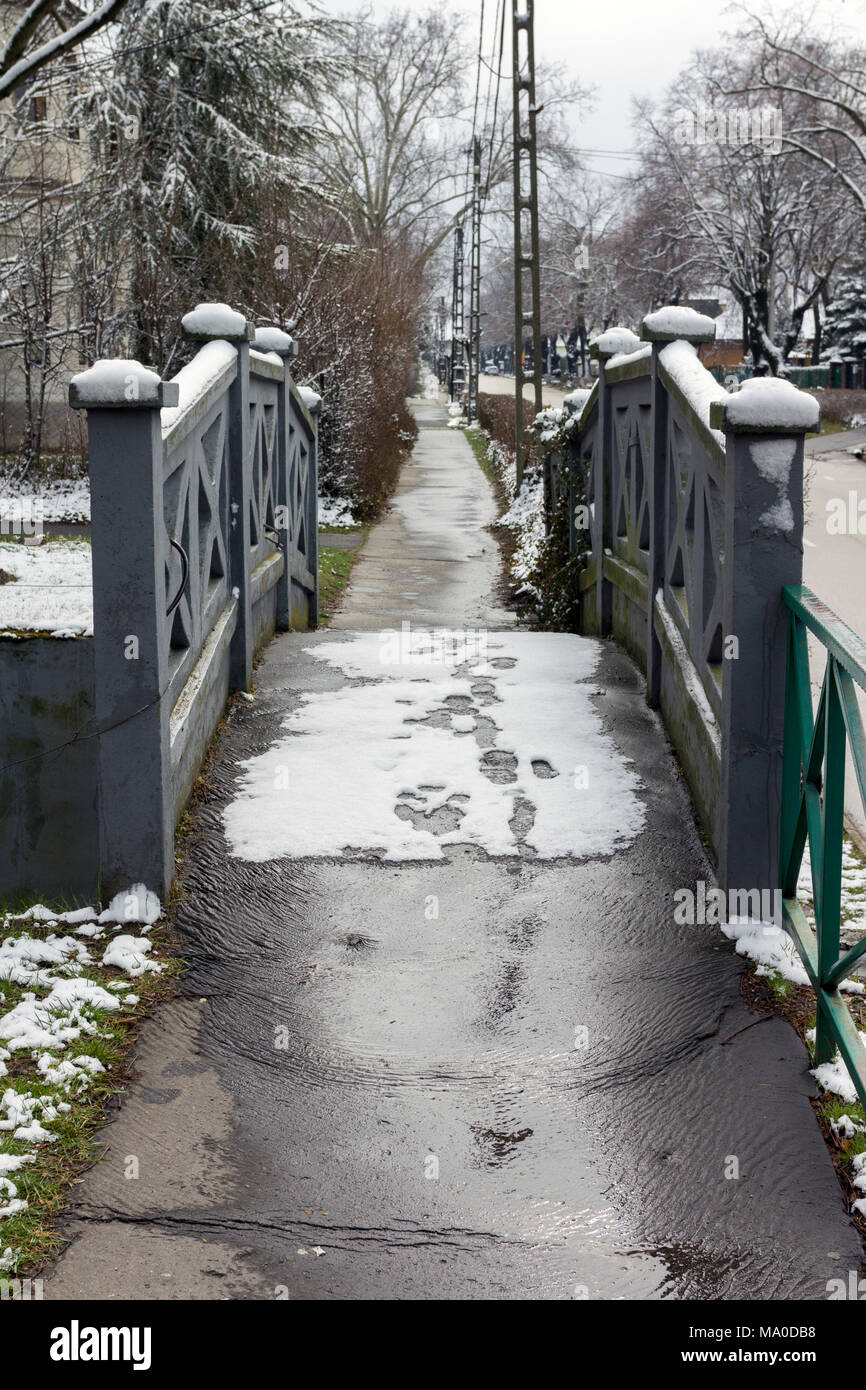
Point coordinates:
pixel 624 48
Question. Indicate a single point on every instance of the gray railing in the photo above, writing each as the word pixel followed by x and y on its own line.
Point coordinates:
pixel 203 499
pixel 696 525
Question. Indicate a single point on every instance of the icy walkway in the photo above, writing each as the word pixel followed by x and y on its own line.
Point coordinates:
pixel 443 1038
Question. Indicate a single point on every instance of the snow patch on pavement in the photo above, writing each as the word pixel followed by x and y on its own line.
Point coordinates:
pixel 383 767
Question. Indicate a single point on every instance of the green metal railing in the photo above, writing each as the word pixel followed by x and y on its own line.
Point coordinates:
pixel 813 805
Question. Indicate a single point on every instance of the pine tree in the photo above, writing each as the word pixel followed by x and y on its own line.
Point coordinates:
pixel 845 325
pixel 201 105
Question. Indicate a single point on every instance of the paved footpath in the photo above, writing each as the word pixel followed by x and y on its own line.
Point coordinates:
pixel 442 1038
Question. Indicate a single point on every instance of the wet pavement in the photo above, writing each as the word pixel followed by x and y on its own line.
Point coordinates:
pixel 431 560
pixel 473 1077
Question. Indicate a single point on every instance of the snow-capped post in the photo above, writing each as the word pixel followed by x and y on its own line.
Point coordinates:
pixel 607 345
pixel 205 324
pixel 313 401
pixel 674 322
pixel 270 338
pixel 765 423
pixel 130 556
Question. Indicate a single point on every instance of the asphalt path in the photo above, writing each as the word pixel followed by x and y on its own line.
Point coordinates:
pixel 545 1090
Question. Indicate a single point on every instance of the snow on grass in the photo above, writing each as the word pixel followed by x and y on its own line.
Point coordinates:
pixel 336 511
pixel 61 1005
pixel 135 904
pixel 50 589
pixel 524 515
pixel 834 1076
pixel 769 946
pixel 129 953
pixel 380 767
pixel 853 895
pixel 62 499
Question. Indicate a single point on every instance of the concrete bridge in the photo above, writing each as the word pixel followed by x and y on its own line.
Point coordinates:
pixel 443 1035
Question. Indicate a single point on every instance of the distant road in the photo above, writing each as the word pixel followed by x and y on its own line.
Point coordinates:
pixel 504 386
pixel 834 566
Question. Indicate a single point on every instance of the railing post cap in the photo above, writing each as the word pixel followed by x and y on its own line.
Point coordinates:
pixel 207 322
pixel 269 338
pixel 678 322
pixel 766 405
pixel 119 383
pixel 612 342
pixel 312 400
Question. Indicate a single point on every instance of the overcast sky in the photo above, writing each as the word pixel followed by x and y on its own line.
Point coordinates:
pixel 623 47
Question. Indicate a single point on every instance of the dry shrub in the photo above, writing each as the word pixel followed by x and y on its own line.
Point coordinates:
pixel 496 414
pixel 842 407
pixel 356 309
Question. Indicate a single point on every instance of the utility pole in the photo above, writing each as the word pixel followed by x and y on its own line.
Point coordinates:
pixel 441 366
pixel 457 336
pixel 527 296
pixel 475 285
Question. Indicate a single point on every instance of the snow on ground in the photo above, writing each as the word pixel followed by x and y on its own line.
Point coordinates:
pixel 833 1076
pixel 61 499
pixel 56 994
pixel 525 517
pixel 383 767
pixel 68 499
pixel 50 589
pixel 525 513
pixel 769 946
pixel 336 511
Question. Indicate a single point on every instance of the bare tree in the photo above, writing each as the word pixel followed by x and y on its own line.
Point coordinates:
pixel 399 127
pixel 737 207
pixel 821 79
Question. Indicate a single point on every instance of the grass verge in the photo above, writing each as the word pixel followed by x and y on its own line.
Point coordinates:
pixel 477 440
pixel 335 569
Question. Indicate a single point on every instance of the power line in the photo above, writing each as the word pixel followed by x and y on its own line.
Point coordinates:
pixel 499 76
pixel 479 62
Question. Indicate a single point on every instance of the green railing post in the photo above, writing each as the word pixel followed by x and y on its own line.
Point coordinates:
pixel 792 773
pixel 828 908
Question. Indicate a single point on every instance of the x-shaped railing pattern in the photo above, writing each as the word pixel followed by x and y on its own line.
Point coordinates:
pixel 196 520
pixel 263 468
pixel 630 503
pixel 694 552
